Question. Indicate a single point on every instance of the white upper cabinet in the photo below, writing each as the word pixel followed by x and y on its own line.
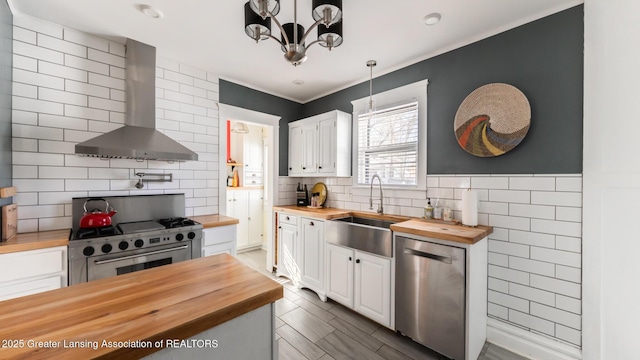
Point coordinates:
pixel 321 145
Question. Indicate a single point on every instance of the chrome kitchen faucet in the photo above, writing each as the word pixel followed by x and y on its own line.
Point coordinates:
pixel 380 210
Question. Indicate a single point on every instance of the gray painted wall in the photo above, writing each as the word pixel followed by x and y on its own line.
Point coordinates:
pixel 247 98
pixel 544 59
pixel 6 64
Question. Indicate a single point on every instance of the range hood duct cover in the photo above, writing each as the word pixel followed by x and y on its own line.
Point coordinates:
pixel 138 138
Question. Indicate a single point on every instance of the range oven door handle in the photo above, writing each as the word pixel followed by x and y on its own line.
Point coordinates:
pixel 100 262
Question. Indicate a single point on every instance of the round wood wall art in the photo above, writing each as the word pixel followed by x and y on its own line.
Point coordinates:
pixel 492 120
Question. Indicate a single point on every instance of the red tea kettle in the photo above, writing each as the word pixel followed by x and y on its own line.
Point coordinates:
pixel 96 218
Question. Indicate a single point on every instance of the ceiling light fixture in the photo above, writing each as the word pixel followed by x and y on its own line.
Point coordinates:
pixel 432 19
pixel 372 108
pixel 257 25
pixel 240 128
pixel 298 82
pixel 151 12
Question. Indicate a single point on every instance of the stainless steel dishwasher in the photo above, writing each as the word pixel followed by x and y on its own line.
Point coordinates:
pixel 430 295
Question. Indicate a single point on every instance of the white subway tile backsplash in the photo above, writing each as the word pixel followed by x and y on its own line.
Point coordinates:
pixel 510 196
pixel 496 208
pixel 529 293
pixel 24 35
pixel 117 49
pixel 102 80
pixel 532 183
pixel 45 198
pixel 556 198
pixel 85 39
pixel 84 185
pixel 24 63
pixel 568 304
pixel 63 122
pixel 26 198
pixel 108 173
pixel 568 334
pixel 87 161
pixel 62 97
pixel 86 113
pixel 41 106
pixel 207 85
pixel 531 266
pixel 36 52
pixel 532 211
pixel 25 90
pixel 28 225
pixel 117 72
pixel 76 136
pixel 61 172
pixel 35 185
pixel 33 78
pixel 559 316
pixel 117 95
pixel 106 104
pixel 498 285
pixel 61 71
pixel 85 89
pixel 56 223
pixel 569 214
pixel 569 184
pixel 25 172
pixel 554 285
pixel 103 126
pixel 489 182
pixel 556 256
pixel 167 64
pixel 498 311
pixel 510 275
pixel 177 77
pixel 532 322
pixel 508 301
pixel 557 227
pixel 569 243
pixel 24 117
pixel 568 273
pixel 498 259
pixel 104 57
pixel 507 248
pixel 57 44
pixel 40 211
pixel 510 222
pixel 82 63
pixel 29 158
pixel 19 144
pixel 531 238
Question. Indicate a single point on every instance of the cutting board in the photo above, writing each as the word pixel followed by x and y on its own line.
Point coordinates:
pixel 9 221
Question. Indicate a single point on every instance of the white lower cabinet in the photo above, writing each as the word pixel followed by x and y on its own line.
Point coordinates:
pixel 29 272
pixel 312 255
pixel 246 205
pixel 288 247
pixel 360 281
pixel 219 240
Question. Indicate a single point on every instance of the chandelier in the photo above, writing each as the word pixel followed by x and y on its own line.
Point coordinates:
pixel 328 13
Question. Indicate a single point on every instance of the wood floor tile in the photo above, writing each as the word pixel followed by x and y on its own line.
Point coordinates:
pixel 288 352
pixel 284 305
pixel 327 357
pixel 341 346
pixel 356 334
pixel 404 344
pixel 314 309
pixel 279 322
pixel 290 295
pixel 355 319
pixel 306 324
pixel 389 353
pixel 302 344
pixel 497 353
pixel 313 297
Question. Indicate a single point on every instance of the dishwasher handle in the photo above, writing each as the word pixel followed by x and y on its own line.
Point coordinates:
pixel 444 259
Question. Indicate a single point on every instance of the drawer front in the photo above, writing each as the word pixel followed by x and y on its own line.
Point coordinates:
pixel 225 248
pixel 284 218
pixel 30 287
pixel 27 264
pixel 252 175
pixel 219 235
pixel 253 182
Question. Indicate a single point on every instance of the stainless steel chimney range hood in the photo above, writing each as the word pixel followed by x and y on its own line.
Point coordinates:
pixel 138 139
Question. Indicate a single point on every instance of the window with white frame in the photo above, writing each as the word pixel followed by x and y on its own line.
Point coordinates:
pixel 391 141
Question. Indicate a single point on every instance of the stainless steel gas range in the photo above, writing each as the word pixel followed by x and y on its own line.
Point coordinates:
pixel 147 231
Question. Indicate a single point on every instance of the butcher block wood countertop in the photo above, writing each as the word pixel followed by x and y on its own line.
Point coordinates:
pixel 405 224
pixel 35 240
pixel 175 301
pixel 209 221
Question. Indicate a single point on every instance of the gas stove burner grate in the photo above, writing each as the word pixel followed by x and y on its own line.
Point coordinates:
pixel 177 222
pixel 90 233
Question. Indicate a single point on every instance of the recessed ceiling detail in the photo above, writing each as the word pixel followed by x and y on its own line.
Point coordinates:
pixel 151 11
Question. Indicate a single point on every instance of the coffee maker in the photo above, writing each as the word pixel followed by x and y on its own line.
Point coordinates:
pixel 302 197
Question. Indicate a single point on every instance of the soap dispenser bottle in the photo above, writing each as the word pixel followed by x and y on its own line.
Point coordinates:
pixel 428 210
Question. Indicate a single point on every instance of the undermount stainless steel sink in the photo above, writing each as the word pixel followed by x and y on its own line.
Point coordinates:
pixel 361 233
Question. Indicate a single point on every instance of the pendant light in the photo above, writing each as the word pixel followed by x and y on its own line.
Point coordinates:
pixel 371 109
pixel 240 128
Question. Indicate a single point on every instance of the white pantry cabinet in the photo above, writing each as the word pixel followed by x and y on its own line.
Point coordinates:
pixel 321 145
pixel 246 205
pixel 288 247
pixel 29 272
pixel 312 255
pixel 219 240
pixel 360 281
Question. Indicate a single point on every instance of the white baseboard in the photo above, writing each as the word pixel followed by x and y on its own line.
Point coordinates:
pixel 528 344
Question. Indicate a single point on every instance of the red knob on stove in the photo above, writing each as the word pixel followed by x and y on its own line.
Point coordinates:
pixel 179 237
pixel 123 245
pixel 191 235
pixel 88 251
pixel 138 243
pixel 106 248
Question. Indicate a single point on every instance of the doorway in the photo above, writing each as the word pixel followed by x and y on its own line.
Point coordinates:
pixel 270 125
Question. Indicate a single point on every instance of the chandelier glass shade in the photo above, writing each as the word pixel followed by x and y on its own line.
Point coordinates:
pixel 258 15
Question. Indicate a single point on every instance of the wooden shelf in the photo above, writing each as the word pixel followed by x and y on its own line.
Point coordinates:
pixel 234 164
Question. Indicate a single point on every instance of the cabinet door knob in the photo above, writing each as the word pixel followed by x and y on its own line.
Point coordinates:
pixel 319 167
pixel 287 218
pixel 279 227
pixel 311 223
pixel 254 175
pixel 357 261
pixel 304 168
pixel 290 169
pixel 349 258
